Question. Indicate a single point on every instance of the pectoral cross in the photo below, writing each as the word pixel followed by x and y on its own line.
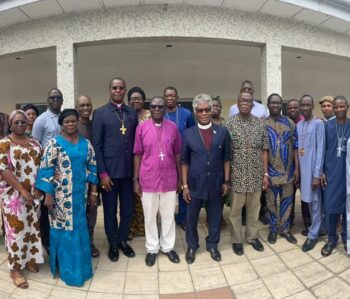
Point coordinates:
pixel 302 151
pixel 123 129
pixel 340 148
pixel 161 155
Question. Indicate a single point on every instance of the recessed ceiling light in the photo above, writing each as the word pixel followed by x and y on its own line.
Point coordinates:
pixel 169 46
pixel 18 58
pixel 298 57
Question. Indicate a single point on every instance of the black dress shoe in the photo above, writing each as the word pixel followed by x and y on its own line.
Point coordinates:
pixel 215 254
pixel 172 256
pixel 272 237
pixel 94 251
pixel 190 255
pixel 237 248
pixel 126 249
pixel 328 248
pixel 150 259
pixel 289 237
pixel 183 226
pixel 256 245
pixel 113 254
pixel 263 219
pixel 305 232
pixel 345 246
pixel 309 244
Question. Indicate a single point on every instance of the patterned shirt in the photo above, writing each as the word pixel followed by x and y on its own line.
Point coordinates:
pixel 283 139
pixel 248 139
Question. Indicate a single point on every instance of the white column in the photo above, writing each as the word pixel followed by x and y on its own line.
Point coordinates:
pixel 271 70
pixel 66 77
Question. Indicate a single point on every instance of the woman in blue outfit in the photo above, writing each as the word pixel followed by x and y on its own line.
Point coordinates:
pixel 67 167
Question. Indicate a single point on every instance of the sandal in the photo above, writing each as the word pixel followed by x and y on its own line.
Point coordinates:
pixel 32 268
pixel 19 280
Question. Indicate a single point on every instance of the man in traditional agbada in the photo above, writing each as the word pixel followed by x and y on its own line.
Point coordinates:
pixel 337 131
pixel 311 155
pixel 283 169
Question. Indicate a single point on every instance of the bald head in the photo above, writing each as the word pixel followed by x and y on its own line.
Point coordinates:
pixel 83 105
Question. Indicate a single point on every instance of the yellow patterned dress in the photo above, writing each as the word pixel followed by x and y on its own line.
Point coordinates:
pixel 137 226
pixel 21 220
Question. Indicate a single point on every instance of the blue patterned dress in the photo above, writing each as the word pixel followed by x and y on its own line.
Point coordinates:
pixel 65 171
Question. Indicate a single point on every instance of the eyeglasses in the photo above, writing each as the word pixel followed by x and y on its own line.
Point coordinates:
pixel 118 87
pixel 136 99
pixel 20 122
pixel 153 106
pixel 200 111
pixel 57 98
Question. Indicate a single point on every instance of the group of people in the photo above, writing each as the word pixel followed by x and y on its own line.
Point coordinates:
pixel 54 168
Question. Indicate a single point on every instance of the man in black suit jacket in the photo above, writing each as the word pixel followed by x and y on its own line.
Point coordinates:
pixel 113 134
pixel 205 165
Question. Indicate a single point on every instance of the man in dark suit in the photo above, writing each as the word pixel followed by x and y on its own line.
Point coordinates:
pixel 205 165
pixel 113 134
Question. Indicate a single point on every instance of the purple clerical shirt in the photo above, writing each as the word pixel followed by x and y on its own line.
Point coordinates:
pixel 158 147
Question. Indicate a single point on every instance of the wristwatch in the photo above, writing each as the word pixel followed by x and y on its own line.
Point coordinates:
pixel 227 182
pixel 266 174
pixel 184 187
pixel 94 193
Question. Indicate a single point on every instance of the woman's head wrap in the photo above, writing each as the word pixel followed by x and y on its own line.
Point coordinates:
pixel 65 113
pixel 15 112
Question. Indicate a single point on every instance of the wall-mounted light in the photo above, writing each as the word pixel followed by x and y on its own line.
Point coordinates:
pixel 298 57
pixel 18 58
pixel 169 46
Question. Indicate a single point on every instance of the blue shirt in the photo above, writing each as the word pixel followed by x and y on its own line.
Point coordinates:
pixel 46 127
pixel 182 117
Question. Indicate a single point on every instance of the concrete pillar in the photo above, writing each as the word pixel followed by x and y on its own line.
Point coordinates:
pixel 66 73
pixel 271 70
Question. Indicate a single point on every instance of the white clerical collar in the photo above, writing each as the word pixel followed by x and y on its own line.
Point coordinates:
pixel 204 127
pixel 158 125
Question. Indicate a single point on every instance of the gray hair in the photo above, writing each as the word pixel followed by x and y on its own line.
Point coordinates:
pixel 202 98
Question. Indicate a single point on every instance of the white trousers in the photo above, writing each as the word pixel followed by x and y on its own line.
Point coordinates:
pixel 165 203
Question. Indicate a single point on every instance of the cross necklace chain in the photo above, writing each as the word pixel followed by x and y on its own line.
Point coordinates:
pixel 341 137
pixel 122 128
pixel 160 142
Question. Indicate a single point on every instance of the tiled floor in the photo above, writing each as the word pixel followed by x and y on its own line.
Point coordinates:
pixel 281 271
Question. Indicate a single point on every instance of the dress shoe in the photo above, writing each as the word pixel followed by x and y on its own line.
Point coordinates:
pixel 289 237
pixel 183 226
pixel 345 246
pixel 172 256
pixel 94 251
pixel 126 249
pixel 113 254
pixel 256 245
pixel 272 237
pixel 309 244
pixel 190 255
pixel 215 254
pixel 237 248
pixel 328 248
pixel 305 232
pixel 263 219
pixel 150 259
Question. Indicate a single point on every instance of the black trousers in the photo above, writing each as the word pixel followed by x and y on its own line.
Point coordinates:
pixel 44 225
pixel 214 208
pixel 122 191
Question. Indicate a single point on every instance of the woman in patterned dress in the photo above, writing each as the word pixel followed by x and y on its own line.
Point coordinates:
pixel 19 162
pixel 136 99
pixel 67 167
